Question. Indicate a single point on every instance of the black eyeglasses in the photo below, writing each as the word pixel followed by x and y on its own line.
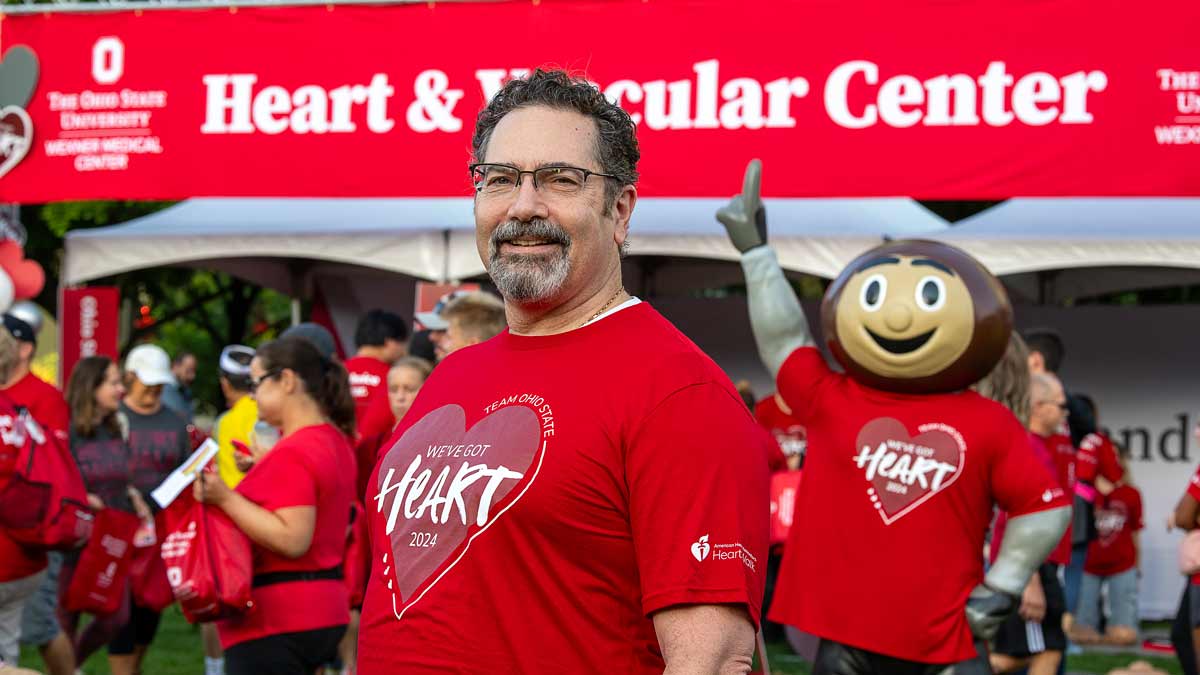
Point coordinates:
pixel 1060 406
pixel 255 383
pixel 502 180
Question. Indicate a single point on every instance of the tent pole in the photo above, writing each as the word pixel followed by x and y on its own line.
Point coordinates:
pixel 295 311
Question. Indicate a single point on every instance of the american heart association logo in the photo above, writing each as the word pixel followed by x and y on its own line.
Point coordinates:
pixel 904 471
pixel 16 136
pixel 701 549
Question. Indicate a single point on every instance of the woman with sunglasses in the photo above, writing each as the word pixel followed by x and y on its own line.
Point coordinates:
pixel 294 506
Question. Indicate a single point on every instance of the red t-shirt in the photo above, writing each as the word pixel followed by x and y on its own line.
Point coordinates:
pixel 1118 517
pixel 788 430
pixel 368 385
pixel 307 468
pixel 1193 489
pixel 45 403
pixel 549 494
pixel 1097 457
pixel 16 561
pixel 891 516
pixel 1062 452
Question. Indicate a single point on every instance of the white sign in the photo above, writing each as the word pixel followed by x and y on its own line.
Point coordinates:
pixel 184 474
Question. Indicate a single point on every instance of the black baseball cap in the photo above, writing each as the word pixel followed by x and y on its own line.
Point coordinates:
pixel 19 329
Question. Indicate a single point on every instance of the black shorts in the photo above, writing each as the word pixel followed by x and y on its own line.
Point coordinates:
pixel 1020 638
pixel 297 653
pixel 835 658
pixel 139 631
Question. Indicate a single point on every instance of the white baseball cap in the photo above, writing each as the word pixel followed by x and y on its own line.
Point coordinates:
pixel 150 364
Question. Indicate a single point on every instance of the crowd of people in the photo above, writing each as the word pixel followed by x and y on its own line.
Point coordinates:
pixel 296 421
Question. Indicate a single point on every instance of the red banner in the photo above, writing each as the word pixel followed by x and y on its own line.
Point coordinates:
pixel 927 99
pixel 88 321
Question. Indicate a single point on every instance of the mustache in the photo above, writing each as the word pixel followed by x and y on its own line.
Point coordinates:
pixel 531 229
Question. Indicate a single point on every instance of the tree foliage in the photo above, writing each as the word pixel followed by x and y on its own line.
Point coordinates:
pixel 196 310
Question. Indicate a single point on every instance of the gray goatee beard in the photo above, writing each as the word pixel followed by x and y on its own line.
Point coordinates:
pixel 526 277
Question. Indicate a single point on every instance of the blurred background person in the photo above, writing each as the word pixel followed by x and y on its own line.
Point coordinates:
pixel 1034 637
pixel 158 442
pixel 1185 630
pixel 241 411
pixel 471 318
pixel 380 339
pixel 45 403
pixel 404 382
pixel 1112 568
pixel 94 393
pixel 295 508
pixel 235 424
pixel 177 394
pixel 21 570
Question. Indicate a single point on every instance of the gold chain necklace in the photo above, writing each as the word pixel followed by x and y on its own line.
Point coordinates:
pixel 605 307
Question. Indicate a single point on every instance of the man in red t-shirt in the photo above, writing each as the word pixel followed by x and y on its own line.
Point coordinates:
pixel 907 465
pixel 380 339
pixel 1034 636
pixel 43 400
pixel 48 408
pixel 576 494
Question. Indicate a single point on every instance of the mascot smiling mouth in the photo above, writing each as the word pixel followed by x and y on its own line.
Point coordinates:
pixel 901 346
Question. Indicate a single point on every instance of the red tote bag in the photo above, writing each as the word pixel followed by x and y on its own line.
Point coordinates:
pixel 98 585
pixel 148 575
pixel 44 504
pixel 208 560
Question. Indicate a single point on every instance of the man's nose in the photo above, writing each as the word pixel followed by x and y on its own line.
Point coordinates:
pixel 528 203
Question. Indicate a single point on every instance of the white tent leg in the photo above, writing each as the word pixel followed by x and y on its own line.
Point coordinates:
pixel 295 311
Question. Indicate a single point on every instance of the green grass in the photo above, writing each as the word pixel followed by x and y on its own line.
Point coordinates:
pixel 785 662
pixel 177 651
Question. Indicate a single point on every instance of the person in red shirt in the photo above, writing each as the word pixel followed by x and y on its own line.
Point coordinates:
pixel 576 494
pixel 1112 563
pixel 1033 638
pixel 381 340
pixel 774 416
pixel 1185 631
pixel 48 408
pixel 21 570
pixel 907 464
pixel 294 505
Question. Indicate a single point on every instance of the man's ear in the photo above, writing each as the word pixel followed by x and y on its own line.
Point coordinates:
pixel 622 211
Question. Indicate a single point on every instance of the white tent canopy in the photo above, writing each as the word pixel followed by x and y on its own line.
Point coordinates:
pixel 1139 243
pixel 263 239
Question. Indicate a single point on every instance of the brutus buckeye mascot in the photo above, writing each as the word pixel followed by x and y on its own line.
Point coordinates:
pixel 885 558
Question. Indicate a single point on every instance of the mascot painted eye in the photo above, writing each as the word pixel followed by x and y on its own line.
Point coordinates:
pixel 916 317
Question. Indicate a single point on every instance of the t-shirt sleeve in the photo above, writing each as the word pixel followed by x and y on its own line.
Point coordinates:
pixel 58 417
pixel 1193 487
pixel 799 380
pixel 1020 483
pixel 698 502
pixel 293 482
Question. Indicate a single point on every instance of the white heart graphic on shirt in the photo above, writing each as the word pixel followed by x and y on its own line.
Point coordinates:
pixel 441 486
pixel 904 471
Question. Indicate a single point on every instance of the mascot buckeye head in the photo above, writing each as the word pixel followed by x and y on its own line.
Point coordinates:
pixel 916 317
